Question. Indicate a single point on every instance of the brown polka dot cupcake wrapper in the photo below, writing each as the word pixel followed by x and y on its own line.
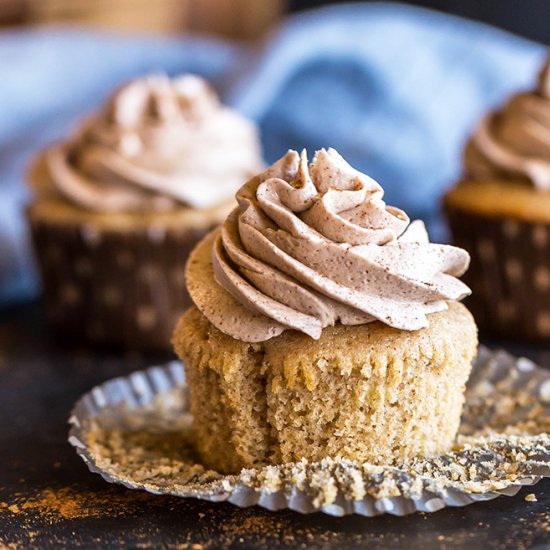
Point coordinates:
pixel 118 288
pixel 509 273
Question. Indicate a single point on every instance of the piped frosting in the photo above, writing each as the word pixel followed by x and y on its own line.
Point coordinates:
pixel 514 141
pixel 156 144
pixel 312 245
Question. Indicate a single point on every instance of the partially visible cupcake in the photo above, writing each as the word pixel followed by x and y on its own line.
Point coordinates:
pixel 325 324
pixel 500 213
pixel 118 206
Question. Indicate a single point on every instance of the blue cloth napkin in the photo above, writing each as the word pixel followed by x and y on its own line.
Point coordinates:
pixel 395 89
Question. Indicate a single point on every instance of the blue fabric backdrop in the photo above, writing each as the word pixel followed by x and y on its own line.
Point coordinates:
pixel 395 89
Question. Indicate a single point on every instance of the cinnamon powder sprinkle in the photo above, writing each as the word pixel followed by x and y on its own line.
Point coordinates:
pixel 65 503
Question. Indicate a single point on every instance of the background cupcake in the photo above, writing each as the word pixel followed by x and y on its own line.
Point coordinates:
pixel 500 213
pixel 322 325
pixel 118 206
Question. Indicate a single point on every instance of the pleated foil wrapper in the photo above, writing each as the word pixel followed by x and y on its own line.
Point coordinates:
pixel 137 431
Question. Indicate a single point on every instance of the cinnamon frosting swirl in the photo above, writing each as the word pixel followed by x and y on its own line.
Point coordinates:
pixel 312 245
pixel 514 141
pixel 157 143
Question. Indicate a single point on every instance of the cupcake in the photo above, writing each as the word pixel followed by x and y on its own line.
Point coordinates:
pixel 500 213
pixel 118 206
pixel 324 324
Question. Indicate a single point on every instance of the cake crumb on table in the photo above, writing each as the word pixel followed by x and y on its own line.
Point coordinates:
pixel 531 497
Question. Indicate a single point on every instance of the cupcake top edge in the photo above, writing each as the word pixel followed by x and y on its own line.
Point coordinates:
pixel 513 141
pixel 157 143
pixel 312 245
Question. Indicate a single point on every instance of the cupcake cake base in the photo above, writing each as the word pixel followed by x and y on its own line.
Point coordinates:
pixel 367 393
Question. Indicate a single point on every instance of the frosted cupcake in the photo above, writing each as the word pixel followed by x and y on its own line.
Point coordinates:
pixel 118 206
pixel 324 324
pixel 500 213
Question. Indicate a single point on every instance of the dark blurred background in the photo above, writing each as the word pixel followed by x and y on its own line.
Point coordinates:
pixel 249 19
pixel 529 18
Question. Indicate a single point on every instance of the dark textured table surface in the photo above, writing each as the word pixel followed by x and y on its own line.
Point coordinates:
pixel 48 498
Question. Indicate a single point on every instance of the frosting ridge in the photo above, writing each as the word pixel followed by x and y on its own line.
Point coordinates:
pixel 309 246
pixel 157 143
pixel 514 141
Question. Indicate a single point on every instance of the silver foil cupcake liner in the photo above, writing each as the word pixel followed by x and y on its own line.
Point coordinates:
pixel 137 431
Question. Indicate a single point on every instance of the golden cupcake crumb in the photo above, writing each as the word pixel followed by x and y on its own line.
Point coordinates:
pixel 367 392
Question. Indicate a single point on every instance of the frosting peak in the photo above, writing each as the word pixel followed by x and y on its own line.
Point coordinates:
pixel 514 141
pixel 158 100
pixel 309 246
pixel 158 142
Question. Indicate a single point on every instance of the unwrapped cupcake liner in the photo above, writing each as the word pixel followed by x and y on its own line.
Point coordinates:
pixel 123 288
pixel 509 273
pixel 137 431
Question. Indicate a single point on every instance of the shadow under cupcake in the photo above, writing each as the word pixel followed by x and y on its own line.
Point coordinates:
pixel 119 205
